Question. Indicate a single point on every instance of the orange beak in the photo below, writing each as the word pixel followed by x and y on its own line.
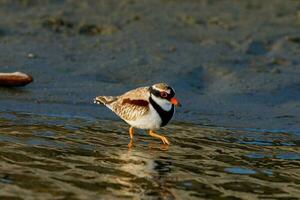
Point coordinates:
pixel 175 102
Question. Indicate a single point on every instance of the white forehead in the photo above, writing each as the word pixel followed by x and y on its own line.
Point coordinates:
pixel 162 90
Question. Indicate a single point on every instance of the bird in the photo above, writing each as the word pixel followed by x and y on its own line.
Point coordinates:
pixel 148 108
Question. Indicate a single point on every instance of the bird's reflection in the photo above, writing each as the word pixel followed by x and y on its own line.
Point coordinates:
pixel 151 168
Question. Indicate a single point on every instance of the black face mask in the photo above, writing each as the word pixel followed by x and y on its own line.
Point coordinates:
pixel 159 94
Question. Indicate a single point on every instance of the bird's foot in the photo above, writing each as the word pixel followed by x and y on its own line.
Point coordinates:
pixel 165 140
pixel 162 138
pixel 130 144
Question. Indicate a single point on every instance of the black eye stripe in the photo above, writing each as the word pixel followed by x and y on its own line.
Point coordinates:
pixel 154 92
pixel 158 93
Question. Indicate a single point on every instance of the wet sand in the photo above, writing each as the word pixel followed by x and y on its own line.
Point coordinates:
pixel 234 66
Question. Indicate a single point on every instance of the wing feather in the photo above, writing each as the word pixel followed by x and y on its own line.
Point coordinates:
pixel 133 104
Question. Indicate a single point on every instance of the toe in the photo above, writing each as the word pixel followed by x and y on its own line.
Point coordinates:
pixel 165 140
pixel 130 144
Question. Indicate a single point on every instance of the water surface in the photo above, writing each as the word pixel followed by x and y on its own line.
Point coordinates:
pixel 48 157
pixel 234 65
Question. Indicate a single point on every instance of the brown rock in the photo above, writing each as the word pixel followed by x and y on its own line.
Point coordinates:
pixel 15 79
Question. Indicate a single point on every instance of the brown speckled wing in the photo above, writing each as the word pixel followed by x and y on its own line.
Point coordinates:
pixel 132 104
pixel 135 102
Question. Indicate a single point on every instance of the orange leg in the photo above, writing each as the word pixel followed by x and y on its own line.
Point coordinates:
pixel 163 138
pixel 131 137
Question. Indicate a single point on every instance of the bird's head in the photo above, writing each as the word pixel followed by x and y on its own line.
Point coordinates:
pixel 164 95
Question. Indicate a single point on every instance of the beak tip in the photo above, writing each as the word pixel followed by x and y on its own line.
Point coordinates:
pixel 175 102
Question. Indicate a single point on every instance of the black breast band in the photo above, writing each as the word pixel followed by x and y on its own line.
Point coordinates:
pixel 164 115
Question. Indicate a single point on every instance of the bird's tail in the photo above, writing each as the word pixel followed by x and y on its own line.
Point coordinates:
pixel 106 100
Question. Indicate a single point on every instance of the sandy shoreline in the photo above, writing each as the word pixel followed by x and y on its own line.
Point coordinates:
pixel 233 64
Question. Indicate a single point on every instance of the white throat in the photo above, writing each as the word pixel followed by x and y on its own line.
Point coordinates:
pixel 163 103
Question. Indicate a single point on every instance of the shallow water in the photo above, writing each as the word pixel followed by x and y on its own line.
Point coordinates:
pixel 48 157
pixel 234 66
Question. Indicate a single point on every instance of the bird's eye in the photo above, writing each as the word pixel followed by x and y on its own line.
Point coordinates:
pixel 163 94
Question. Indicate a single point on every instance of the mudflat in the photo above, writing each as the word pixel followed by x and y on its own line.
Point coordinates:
pixel 235 66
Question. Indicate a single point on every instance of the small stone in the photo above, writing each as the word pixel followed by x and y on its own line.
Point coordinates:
pixel 90 29
pixel 294 40
pixel 31 55
pixel 276 71
pixel 136 17
pixel 57 24
pixel 172 48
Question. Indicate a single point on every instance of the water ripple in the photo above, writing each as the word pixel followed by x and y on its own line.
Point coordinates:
pixel 76 158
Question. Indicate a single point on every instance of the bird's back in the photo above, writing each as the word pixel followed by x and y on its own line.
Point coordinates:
pixel 129 106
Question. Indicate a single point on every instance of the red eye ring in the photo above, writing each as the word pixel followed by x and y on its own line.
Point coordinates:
pixel 163 94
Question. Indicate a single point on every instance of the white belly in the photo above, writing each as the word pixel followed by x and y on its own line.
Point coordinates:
pixel 150 121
